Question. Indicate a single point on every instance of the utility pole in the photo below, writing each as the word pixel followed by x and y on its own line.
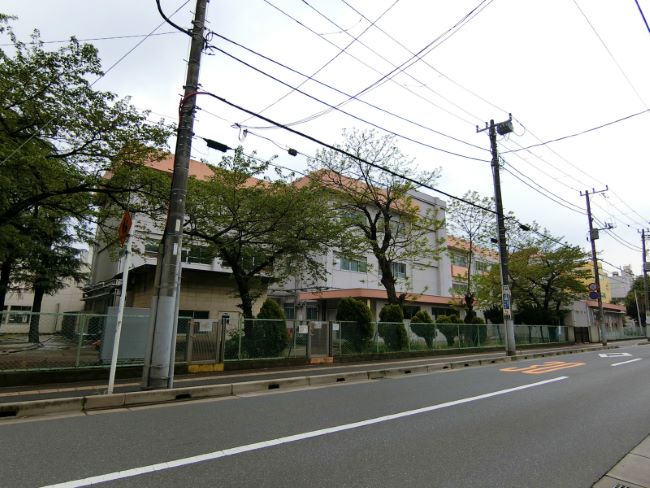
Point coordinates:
pixel 502 128
pixel 593 235
pixel 646 266
pixel 160 351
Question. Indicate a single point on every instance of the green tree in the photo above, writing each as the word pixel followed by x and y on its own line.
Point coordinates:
pixel 359 334
pixel 379 206
pixel 262 230
pixel 471 221
pixel 391 327
pixel 543 277
pixel 636 296
pixel 270 336
pixel 53 262
pixel 58 137
pixel 423 326
pixel 447 325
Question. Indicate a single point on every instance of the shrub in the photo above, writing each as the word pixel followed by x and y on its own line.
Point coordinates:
pixel 359 335
pixel 446 325
pixel 270 336
pixel 423 326
pixel 475 332
pixel 391 327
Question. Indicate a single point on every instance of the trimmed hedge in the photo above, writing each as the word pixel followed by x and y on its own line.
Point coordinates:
pixel 423 326
pixel 391 327
pixel 360 335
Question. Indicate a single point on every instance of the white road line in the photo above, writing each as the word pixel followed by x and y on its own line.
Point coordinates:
pixel 285 440
pixel 626 362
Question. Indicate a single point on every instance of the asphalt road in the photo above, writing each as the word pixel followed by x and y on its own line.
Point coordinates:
pixel 563 424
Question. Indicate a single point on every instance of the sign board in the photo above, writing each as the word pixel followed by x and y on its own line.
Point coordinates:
pixel 593 287
pixel 336 326
pixel 205 325
pixel 594 295
pixel 303 329
pixel 124 228
pixel 506 302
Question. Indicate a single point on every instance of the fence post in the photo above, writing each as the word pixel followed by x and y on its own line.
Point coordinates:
pixel 190 342
pixel 239 334
pixel 308 340
pixel 330 339
pixel 80 334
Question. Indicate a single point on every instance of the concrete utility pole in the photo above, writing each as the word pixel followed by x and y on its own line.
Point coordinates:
pixel 593 235
pixel 160 351
pixel 646 266
pixel 502 128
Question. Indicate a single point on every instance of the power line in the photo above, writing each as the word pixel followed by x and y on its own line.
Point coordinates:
pixel 642 15
pixel 331 60
pixel 629 82
pixel 360 119
pixel 413 59
pixel 538 190
pixel 404 119
pixel 627 117
pixel 107 38
pixel 341 151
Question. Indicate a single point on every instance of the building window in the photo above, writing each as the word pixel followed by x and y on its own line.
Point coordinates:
pixel 482 266
pixel 19 314
pixel 357 264
pixel 197 254
pixel 399 270
pixel 312 312
pixel 410 311
pixel 459 259
pixel 289 311
pixel 186 316
pixel 459 288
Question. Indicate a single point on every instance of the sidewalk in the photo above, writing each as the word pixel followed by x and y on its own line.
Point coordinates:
pixel 633 471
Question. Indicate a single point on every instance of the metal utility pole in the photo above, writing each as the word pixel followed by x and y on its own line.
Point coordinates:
pixel 502 128
pixel 646 266
pixel 159 354
pixel 593 235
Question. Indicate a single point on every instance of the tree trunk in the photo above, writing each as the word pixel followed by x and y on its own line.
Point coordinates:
pixel 5 274
pixel 388 280
pixel 35 317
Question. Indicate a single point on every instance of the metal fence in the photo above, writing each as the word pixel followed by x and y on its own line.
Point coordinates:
pixel 79 340
pixel 617 334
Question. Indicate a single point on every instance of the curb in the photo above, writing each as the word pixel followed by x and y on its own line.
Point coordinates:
pixel 152 397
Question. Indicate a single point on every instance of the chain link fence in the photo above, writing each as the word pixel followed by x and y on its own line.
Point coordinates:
pixel 80 340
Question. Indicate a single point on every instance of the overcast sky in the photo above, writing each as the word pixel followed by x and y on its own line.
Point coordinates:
pixel 560 67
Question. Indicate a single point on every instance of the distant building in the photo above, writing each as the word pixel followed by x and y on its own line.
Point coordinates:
pixel 427 285
pixel 18 306
pixel 207 288
pixel 621 282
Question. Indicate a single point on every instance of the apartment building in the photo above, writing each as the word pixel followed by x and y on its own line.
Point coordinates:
pixel 426 285
pixel 207 288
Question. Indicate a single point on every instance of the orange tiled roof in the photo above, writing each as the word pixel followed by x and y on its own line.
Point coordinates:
pixel 368 293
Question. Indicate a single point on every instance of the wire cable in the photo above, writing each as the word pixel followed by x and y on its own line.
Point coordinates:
pixel 169 21
pixel 642 15
pixel 629 82
pixel 330 61
pixel 339 150
pixel 404 119
pixel 360 119
pixel 606 124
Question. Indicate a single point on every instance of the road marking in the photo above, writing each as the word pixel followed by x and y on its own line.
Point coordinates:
pixel 614 354
pixel 547 367
pixel 129 473
pixel 627 362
